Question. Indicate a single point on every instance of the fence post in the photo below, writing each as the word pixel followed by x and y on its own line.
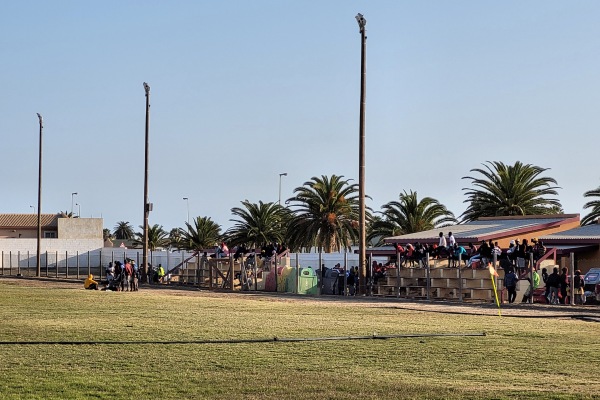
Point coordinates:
pixel 77 255
pixel 2 262
pixel 460 284
pixel 397 272
pixel 210 275
pixel 370 277
pixel 345 273
pixel 28 266
pixel 19 263
pixel 232 272
pixel 532 266
pixel 46 261
pixel 56 264
pixel 428 284
pixel 572 281
pixel 297 273
pixel 67 264
pixel 89 266
pixel 321 273
pixel 10 263
pixel 101 266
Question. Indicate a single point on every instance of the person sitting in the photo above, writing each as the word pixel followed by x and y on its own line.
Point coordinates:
pixel 90 283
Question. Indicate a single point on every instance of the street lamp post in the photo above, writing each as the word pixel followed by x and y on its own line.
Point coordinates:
pixel 280 175
pixel 33 208
pixel 362 22
pixel 38 258
pixel 188 209
pixel 147 205
pixel 78 210
pixel 72 195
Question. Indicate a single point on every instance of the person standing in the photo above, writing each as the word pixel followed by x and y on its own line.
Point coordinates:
pixel 553 283
pixel 578 287
pixel 510 282
pixel 441 245
pixel 451 242
pixel 564 284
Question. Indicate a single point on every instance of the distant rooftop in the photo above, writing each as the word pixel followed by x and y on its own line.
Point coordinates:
pixel 24 221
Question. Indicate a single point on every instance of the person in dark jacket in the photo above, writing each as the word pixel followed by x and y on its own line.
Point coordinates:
pixel 510 282
pixel 564 284
pixel 553 283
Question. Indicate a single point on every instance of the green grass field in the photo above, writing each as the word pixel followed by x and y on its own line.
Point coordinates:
pixel 526 358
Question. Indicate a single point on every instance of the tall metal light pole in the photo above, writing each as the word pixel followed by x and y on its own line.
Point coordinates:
pixel 38 258
pixel 280 175
pixel 188 209
pixel 146 203
pixel 78 210
pixel 33 208
pixel 362 22
pixel 72 194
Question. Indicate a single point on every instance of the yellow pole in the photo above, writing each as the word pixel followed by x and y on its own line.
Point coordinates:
pixel 493 274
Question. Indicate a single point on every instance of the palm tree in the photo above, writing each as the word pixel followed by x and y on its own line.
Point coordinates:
pixel 65 214
pixel 409 215
pixel 510 190
pixel 175 238
pixel 123 230
pixel 325 214
pixel 106 234
pixel 157 237
pixel 258 224
pixel 594 214
pixel 203 235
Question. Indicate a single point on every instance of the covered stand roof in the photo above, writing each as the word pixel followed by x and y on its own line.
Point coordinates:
pixel 490 228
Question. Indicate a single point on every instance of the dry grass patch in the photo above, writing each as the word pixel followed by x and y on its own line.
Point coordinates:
pixel 519 357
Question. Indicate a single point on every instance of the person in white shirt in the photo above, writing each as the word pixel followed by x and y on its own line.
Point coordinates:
pixel 451 241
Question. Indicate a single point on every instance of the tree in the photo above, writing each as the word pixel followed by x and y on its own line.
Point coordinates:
pixel 123 231
pixel 594 214
pixel 65 214
pixel 409 215
pixel 258 224
pixel 510 190
pixel 325 214
pixel 157 237
pixel 203 235
pixel 106 234
pixel 175 238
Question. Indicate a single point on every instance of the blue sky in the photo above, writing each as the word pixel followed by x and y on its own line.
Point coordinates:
pixel 242 91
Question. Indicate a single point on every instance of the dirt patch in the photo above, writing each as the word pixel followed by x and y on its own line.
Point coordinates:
pixel 591 312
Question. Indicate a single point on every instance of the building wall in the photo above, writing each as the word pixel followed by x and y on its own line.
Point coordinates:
pixel 25 233
pixel 80 228
pixel 583 261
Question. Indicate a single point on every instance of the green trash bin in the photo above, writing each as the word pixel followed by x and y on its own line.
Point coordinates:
pixel 307 283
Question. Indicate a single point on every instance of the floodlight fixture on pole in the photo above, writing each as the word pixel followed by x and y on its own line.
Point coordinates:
pixel 147 205
pixel 38 258
pixel 280 175
pixel 188 209
pixel 72 194
pixel 362 22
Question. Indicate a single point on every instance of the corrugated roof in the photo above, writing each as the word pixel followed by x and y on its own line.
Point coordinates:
pixel 27 220
pixel 486 227
pixel 591 232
